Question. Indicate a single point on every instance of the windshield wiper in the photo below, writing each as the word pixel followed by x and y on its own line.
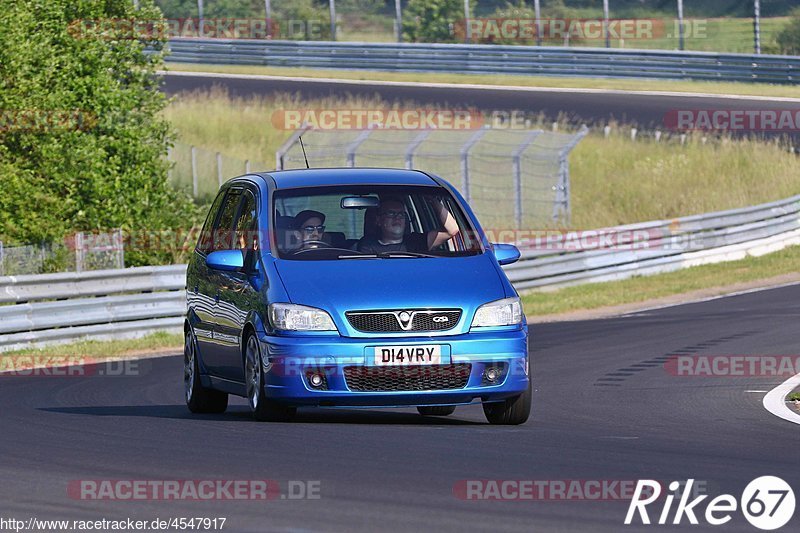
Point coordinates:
pixel 387 255
pixel 393 255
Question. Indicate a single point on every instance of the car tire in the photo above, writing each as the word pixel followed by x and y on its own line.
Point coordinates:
pixel 511 412
pixel 436 410
pixel 199 399
pixel 263 409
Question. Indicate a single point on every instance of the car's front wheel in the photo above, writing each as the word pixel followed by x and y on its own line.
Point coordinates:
pixel 436 410
pixel 199 399
pixel 510 412
pixel 263 409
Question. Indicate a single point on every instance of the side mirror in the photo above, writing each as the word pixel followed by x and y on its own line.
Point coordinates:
pixel 506 253
pixel 226 260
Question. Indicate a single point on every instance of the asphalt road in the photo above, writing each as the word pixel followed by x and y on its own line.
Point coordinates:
pixel 646 110
pixel 604 409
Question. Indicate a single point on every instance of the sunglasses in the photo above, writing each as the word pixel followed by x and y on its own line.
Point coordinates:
pixel 394 214
pixel 312 229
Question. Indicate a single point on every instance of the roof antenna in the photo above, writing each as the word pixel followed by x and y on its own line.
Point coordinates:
pixel 304 150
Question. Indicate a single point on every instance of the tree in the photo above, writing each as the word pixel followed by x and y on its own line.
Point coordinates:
pixel 82 138
pixel 789 37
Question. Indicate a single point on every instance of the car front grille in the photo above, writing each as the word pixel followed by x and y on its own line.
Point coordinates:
pixel 392 321
pixel 407 378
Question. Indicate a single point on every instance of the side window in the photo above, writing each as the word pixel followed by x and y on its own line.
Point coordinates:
pixel 223 230
pixel 204 244
pixel 246 230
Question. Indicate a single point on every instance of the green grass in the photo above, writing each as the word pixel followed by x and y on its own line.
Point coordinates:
pixel 106 349
pixel 616 181
pixel 794 397
pixel 642 289
pixel 745 89
pixel 613 181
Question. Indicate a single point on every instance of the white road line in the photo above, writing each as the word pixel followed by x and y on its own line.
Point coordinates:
pixel 775 400
pixel 508 88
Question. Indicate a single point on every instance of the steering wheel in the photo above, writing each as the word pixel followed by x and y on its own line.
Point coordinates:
pixel 312 245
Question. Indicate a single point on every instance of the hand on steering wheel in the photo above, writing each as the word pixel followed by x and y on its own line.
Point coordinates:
pixel 313 245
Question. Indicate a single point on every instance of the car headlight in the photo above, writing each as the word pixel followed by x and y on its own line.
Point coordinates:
pixel 506 312
pixel 291 317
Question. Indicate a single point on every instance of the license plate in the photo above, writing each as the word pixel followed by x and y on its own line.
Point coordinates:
pixel 407 355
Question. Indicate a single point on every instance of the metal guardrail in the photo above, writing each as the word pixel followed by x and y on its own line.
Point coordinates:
pixel 491 59
pixel 102 304
pixel 130 302
pixel 667 245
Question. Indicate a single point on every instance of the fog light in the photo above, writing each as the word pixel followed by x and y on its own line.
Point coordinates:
pixel 316 380
pixel 492 374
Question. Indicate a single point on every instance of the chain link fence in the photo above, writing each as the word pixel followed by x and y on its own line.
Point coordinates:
pixel 202 172
pixel 513 179
pixel 78 253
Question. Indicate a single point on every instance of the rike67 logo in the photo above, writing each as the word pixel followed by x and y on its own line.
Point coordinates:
pixel 767 503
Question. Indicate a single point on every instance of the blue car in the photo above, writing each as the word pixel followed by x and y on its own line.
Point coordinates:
pixel 352 288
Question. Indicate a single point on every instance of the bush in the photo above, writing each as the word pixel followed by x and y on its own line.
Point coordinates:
pixel 82 139
pixel 789 37
pixel 433 21
pixel 550 10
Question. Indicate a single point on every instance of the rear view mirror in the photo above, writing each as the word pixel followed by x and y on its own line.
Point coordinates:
pixel 226 260
pixel 360 202
pixel 506 253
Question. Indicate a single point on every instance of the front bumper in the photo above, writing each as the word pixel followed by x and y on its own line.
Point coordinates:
pixel 290 360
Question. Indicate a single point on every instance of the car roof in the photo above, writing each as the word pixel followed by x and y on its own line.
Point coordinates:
pixel 287 179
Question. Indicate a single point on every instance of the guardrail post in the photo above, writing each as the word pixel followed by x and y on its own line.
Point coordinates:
pixel 171 160
pixel 79 252
pixel 247 166
pixel 195 192
pixel 413 146
pixel 119 243
pixel 2 261
pixel 517 171
pixel 351 149
pixel 464 154
pixel 562 203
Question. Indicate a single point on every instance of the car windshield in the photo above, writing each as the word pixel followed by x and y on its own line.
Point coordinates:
pixel 370 222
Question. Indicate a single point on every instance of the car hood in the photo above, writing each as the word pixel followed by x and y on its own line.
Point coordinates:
pixel 368 284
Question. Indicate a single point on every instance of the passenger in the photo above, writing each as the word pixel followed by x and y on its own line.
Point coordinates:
pixel 392 222
pixel 310 224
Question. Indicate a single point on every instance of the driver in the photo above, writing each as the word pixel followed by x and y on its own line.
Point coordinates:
pixel 311 226
pixel 392 223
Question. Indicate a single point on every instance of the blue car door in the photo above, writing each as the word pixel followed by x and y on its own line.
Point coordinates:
pixel 238 291
pixel 222 239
